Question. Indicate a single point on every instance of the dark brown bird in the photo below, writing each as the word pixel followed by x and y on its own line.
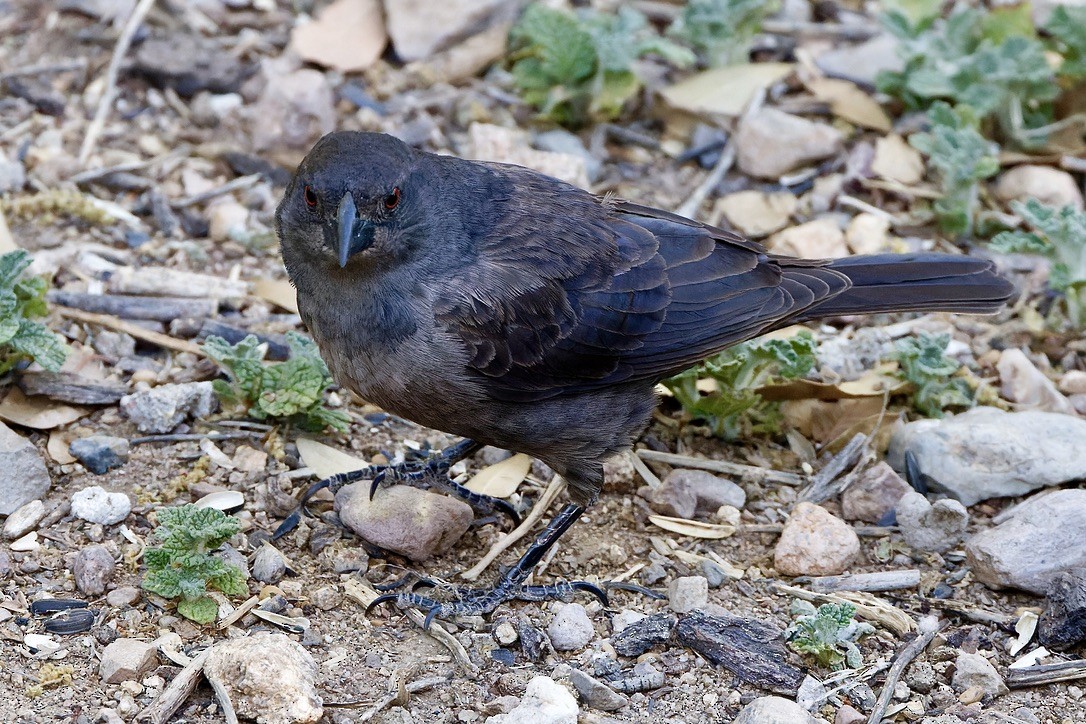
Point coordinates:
pixel 515 310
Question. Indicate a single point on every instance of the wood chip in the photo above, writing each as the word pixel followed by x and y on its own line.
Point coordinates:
pixel 501 479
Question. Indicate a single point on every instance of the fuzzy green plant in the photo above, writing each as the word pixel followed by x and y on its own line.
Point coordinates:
pixel 578 68
pixel 22 299
pixel 184 566
pixel 734 407
pixel 924 364
pixel 291 390
pixel 828 633
pixel 961 158
pixel 720 31
pixel 1059 235
pixel 1067 26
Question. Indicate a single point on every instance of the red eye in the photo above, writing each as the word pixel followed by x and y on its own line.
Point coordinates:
pixel 310 197
pixel 393 199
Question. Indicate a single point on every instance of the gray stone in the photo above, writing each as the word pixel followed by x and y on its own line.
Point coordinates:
pixel 920 676
pixel 23 475
pixel 93 569
pixel 1050 186
pixel 595 693
pixel 987 453
pixel 686 493
pixel 973 670
pixel 928 526
pixel 773 710
pixel 1063 623
pixel 415 523
pixel 851 356
pixel 12 175
pixel 1021 382
pixel 814 542
pixel 772 143
pixel 571 629
pixel 562 141
pixel 161 409
pixel 126 660
pixel 269 565
pixel 100 453
pixel 1040 540
pixel 24 520
pixel 420 28
pixel 861 63
pixel 686 593
pixel 268 677
pixel 96 505
pixel 545 701
pixel 123 596
pixel 873 494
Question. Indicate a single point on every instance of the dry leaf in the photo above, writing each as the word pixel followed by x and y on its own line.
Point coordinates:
pixel 850 102
pixel 348 35
pixel 277 291
pixel 57 447
pixel 725 90
pixel 896 160
pixel 756 213
pixel 874 382
pixel 825 420
pixel 38 412
pixel 326 461
pixel 1025 628
pixel 692 528
pixel 501 479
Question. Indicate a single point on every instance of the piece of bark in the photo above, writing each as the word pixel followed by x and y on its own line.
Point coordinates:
pixel 881 581
pixel 66 387
pixel 1046 674
pixel 752 650
pixel 159 281
pixel 157 309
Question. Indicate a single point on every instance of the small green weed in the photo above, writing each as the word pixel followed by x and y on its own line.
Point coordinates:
pixel 22 299
pixel 827 633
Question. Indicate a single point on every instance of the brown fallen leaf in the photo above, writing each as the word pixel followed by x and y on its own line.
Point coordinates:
pixel 850 102
pixel 501 480
pixel 37 412
pixel 896 160
pixel 277 291
pixel 348 35
pixel 326 461
pixel 692 528
pixel 725 91
pixel 57 447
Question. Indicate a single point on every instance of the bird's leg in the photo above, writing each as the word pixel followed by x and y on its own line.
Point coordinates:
pixel 473 602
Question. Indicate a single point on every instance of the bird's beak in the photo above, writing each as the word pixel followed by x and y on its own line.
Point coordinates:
pixel 354 234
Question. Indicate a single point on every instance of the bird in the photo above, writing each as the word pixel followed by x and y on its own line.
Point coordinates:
pixel 509 308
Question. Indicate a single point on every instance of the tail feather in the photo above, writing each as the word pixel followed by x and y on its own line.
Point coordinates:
pixel 924 282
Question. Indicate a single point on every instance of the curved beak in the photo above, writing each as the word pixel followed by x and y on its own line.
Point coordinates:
pixel 352 233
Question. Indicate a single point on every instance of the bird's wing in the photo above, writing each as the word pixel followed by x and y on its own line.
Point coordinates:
pixel 574 293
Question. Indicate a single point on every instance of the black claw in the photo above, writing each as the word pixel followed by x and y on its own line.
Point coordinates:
pixel 387 598
pixel 433 612
pixel 423 583
pixel 398 583
pixel 377 480
pixel 506 507
pixel 290 523
pixel 590 588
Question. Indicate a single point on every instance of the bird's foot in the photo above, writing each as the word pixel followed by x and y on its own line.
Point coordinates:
pixel 479 601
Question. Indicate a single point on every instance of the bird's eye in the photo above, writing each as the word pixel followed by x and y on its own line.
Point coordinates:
pixel 310 197
pixel 393 199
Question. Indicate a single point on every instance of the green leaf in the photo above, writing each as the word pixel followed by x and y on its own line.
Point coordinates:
pixel 721 31
pixel 828 634
pixel 202 610
pixel 922 362
pixel 35 341
pixel 1067 25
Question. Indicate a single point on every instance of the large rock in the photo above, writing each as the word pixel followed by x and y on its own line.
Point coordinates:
pixel 268 677
pixel 571 629
pixel 420 28
pixel 1040 540
pixel 815 543
pixel 23 475
pixel 774 710
pixel 545 702
pixel 772 143
pixel 414 523
pixel 987 453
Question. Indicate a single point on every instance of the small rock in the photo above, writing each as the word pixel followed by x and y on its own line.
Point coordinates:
pixel 12 175
pixel 161 409
pixel 505 633
pixel 847 715
pixel 126 660
pixel 347 35
pixel 772 143
pixel 987 453
pixel 269 565
pixel 268 677
pixel 227 220
pixel 814 542
pixel 562 141
pixel 851 356
pixel 973 670
pixel 509 145
pixel 188 63
pixel 23 475
pixel 420 28
pixel 296 108
pixel 571 629
pixel 686 493
pixel 123 596
pixel 1073 383
pixel 96 505
pixel 868 234
pixel 415 523
pixel 1040 540
pixel 641 635
pixel 687 593
pixel 24 520
pixel 1050 186
pixel 862 62
pixel 100 453
pixel 928 526
pixel 1023 383
pixel 595 693
pixel 248 459
pixel 896 160
pixel 921 677
pixel 545 701
pixel 756 213
pixel 327 598
pixel 773 710
pixel 93 570
pixel 818 239
pixel 874 494
pixel 114 345
pixel 624 618
pixel 1063 623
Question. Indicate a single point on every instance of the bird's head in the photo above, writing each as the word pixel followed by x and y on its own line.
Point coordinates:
pixel 350 199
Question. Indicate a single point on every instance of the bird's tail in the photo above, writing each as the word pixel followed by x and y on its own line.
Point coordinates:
pixel 924 282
